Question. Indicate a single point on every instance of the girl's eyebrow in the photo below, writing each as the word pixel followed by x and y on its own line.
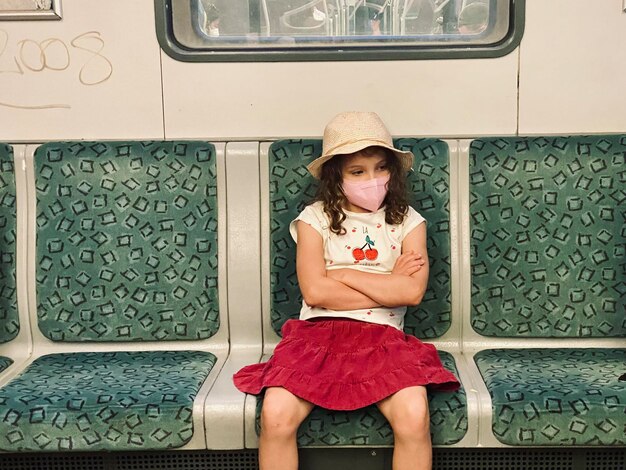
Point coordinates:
pixel 380 161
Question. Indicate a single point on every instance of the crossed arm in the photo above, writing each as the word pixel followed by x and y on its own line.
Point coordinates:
pixel 350 289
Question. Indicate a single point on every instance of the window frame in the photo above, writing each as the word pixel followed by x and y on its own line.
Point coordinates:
pixel 180 52
pixel 53 13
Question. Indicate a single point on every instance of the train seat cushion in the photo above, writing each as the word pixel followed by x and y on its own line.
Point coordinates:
pixel 126 241
pixel 292 188
pixel 547 236
pixel 103 401
pixel 5 362
pixel 9 319
pixel 556 397
pixel 367 426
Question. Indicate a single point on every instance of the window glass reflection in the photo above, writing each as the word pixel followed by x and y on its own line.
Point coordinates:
pixel 339 20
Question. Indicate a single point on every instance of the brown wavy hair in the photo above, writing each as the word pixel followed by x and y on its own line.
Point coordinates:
pixel 334 200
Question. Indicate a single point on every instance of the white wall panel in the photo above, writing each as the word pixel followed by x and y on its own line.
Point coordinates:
pixel 573 67
pixel 265 100
pixel 93 74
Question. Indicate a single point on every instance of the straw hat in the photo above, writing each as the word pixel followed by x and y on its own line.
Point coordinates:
pixel 353 131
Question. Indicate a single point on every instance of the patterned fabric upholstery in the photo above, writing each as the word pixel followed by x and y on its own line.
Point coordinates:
pixel 126 241
pixel 4 363
pixel 292 188
pixel 103 401
pixel 367 426
pixel 9 319
pixel 556 396
pixel 547 236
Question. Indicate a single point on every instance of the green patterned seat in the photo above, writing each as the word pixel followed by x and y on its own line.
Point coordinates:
pixel 367 426
pixel 547 236
pixel 291 189
pixel 103 401
pixel 9 320
pixel 126 241
pixel 4 363
pixel 126 252
pixel 547 256
pixel 556 397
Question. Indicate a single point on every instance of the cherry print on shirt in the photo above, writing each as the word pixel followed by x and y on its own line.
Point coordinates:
pixel 360 254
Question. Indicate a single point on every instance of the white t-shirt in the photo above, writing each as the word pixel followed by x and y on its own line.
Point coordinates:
pixel 369 245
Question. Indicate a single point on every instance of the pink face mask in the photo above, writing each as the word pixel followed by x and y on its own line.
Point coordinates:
pixel 368 194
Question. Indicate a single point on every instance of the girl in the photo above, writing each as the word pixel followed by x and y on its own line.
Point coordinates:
pixel 361 259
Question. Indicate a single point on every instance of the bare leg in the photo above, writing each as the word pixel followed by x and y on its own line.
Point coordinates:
pixel 282 414
pixel 407 412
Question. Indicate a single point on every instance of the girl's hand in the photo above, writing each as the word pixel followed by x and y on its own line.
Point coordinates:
pixel 408 263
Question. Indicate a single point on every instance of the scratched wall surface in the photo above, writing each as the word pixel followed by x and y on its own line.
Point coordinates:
pixel 95 74
pixel 572 79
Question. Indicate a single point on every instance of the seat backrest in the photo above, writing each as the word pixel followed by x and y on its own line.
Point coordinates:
pixel 126 241
pixel 547 236
pixel 9 319
pixel 292 188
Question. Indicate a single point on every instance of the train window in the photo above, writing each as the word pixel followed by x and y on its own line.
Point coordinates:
pixel 283 30
pixel 30 9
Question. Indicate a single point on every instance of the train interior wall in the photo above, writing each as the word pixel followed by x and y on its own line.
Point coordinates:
pixel 99 74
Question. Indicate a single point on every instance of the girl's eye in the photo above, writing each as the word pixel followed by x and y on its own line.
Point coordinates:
pixel 357 172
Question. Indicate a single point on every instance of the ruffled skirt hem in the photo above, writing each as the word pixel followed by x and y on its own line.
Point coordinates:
pixel 346 365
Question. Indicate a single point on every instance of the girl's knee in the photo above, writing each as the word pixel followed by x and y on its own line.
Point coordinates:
pixel 411 420
pixel 280 418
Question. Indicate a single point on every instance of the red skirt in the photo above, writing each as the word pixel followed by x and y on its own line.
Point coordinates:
pixel 345 364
